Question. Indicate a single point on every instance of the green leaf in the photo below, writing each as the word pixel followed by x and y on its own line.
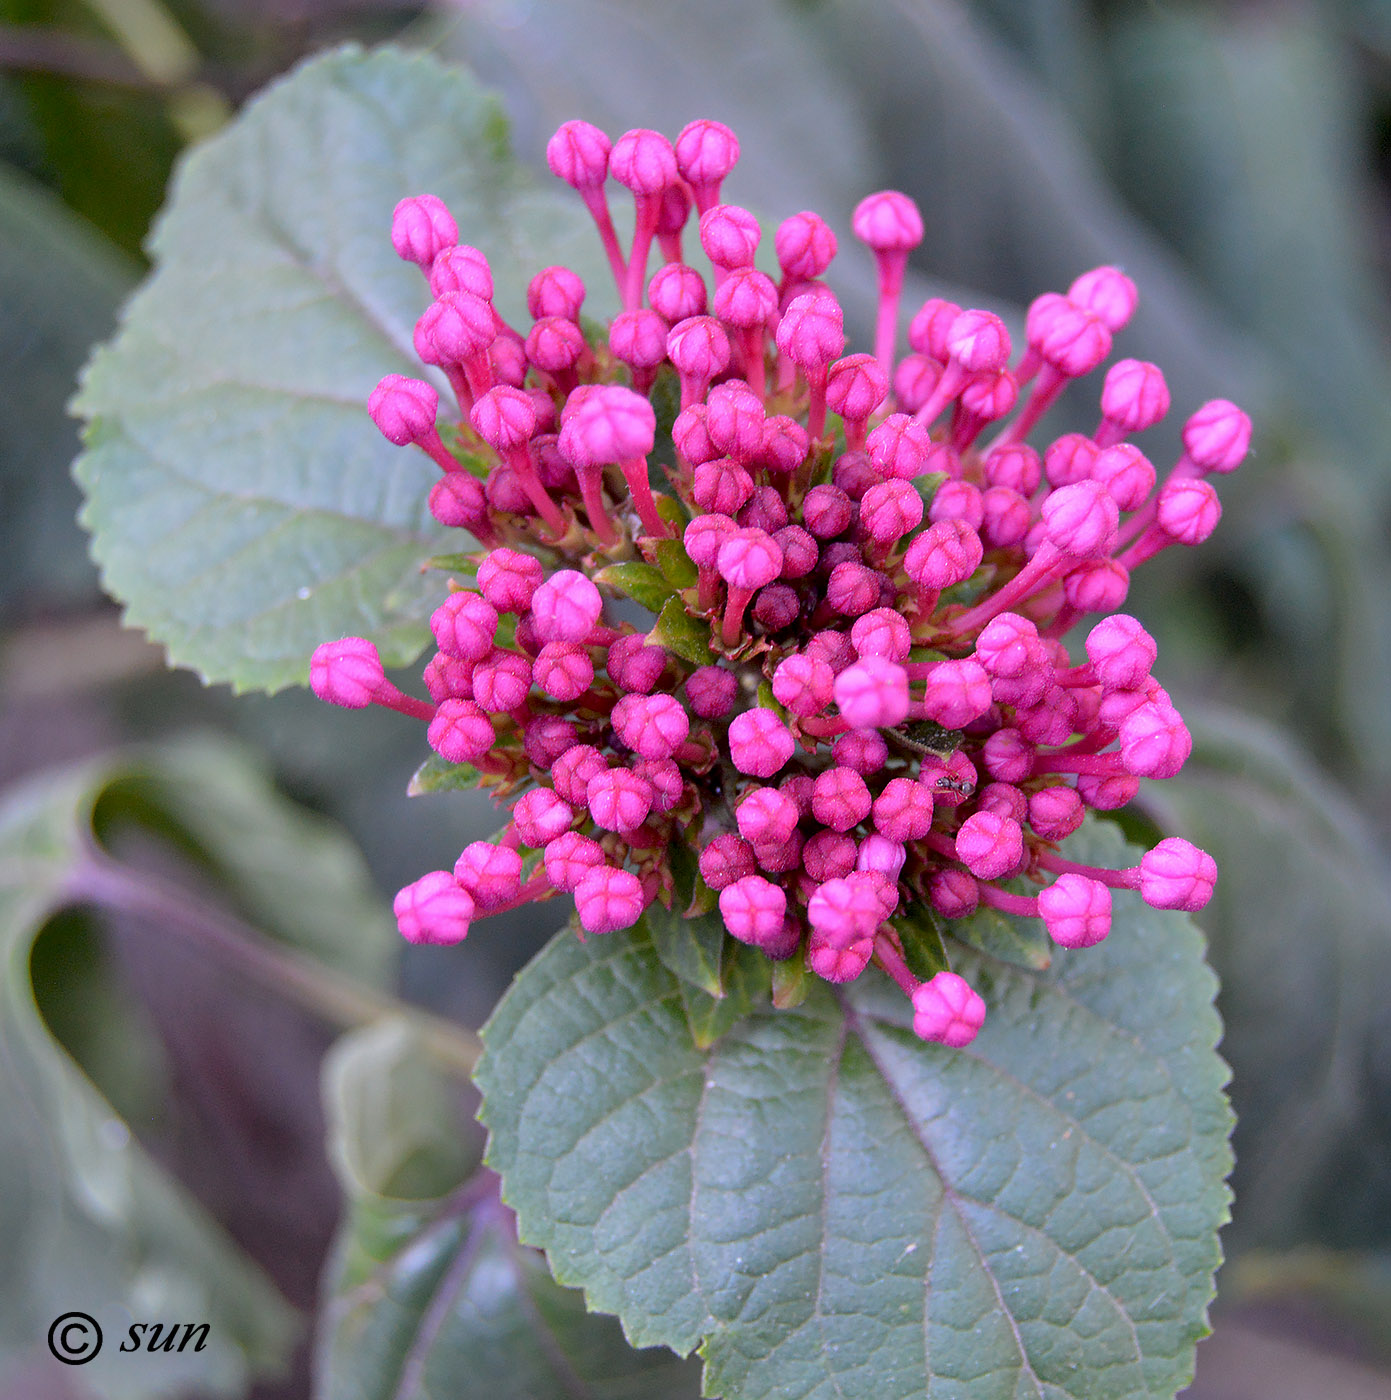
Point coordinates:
pixel 90 1221
pixel 428 1293
pixel 921 935
pixel 640 582
pixel 1008 937
pixel 691 948
pixel 438 774
pixel 675 564
pixel 1300 924
pixel 683 634
pixel 242 505
pixel 746 982
pixel 826 1206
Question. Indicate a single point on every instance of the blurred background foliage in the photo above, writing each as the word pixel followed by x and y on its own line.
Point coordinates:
pixel 1235 159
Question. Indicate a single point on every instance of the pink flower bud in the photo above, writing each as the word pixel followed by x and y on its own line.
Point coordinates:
pixel 888 221
pixel 990 845
pixel 653 726
pixel 500 684
pixel 608 900
pixel 753 909
pixel 729 235
pixel 946 1010
pixel 504 418
pixel 898 448
pixel 457 500
pixel 572 771
pixel 555 291
pixel 951 781
pixel 929 329
pixel 840 799
pixel 784 446
pixel 1008 646
pixel 1126 473
pixel 677 293
pixel 1188 510
pixel 721 486
pixel 989 395
pixel 491 874
pixel 915 378
pixel 555 345
pixel 711 692
pixel 618 799
pixel 636 665
pixel 1177 875
pixel 461 269
pixel 873 693
pixel 615 424
pixel 1017 467
pixel 1217 437
pixel 1008 756
pixel 699 347
pixel 704 536
pixel 578 153
pixel 767 815
pixel 829 855
pixel 1005 518
pixel 1100 586
pixel 1155 743
pixel 805 245
pixel 844 910
pixel 1081 519
pixel 347 672
pixel 663 776
pixel 508 579
pixel 639 338
pixel 948 552
pixel 643 161
pixel 726 859
pixel 766 510
pixel 706 151
pixel 403 409
pixel 878 855
pixel 811 332
pixel 903 811
pixel 433 909
pixel 1055 812
pixel 1106 794
pixel 746 299
pixel 855 387
pixel 1069 459
pixel 759 743
pixel 547 738
pixel 1070 338
pixel 1107 293
pixel 835 963
pixel 834 648
pixel 1134 396
pixel 749 559
pixel 882 632
pixel 460 731
pixel 958 500
pixel 852 588
pixel 953 893
pixel 460 326
pixel 735 419
pixel 956 692
pixel 803 685
pixel 565 607
pixel 464 626
pixel 448 678
pixel 1076 911
pixel 571 857
pixel 863 750
pixel 1003 800
pixel 421 228
pixel 1122 653
pixel 978 341
pixel 563 670
pixel 826 511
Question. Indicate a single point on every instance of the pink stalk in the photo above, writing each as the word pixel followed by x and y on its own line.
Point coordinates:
pixel 390 698
pixel 1146 547
pixel 1046 565
pixel 1116 879
pixel 591 479
pixel 1006 902
pixel 649 210
pixel 887 956
pixel 735 604
pixel 816 408
pixel 596 201
pixel 1099 765
pixel 751 349
pixel 518 458
pixel 892 265
pixel 635 474
pixel 1051 382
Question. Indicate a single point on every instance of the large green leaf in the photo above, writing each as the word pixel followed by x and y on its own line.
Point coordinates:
pixel 828 1207
pixel 88 1218
pixel 429 1294
pixel 242 505
pixel 1301 933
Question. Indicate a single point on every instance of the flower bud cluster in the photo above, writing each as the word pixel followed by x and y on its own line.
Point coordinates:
pixel 856 697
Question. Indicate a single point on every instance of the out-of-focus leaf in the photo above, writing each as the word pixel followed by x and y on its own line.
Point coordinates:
pixel 643 583
pixel 89 1220
pixel 691 948
pixel 428 1293
pixel 678 631
pixel 60 283
pixel 1301 935
pixel 242 504
pixel 437 774
pixel 829 1207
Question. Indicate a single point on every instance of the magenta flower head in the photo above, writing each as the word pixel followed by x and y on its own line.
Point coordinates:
pixel 403 409
pixel 433 909
pixel 608 900
pixel 947 1010
pixel 1217 437
pixel 854 677
pixel 347 672
pixel 1177 875
pixel 1108 294
pixel 1076 911
pixel 421 228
